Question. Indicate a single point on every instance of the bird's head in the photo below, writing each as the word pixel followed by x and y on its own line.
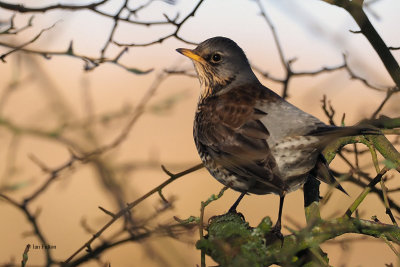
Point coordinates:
pixel 220 64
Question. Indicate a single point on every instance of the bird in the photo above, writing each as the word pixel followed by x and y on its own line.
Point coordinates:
pixel 248 137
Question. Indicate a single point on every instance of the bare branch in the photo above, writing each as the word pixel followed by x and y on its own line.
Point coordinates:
pixel 25 255
pixel 23 9
pixel 32 219
pixel 355 9
pixel 177 25
pixel 328 110
pixel 356 77
pixel 90 62
pixel 139 110
pixel 54 173
pixel 131 205
pixel 11 28
pixel 285 63
pixel 389 94
pixel 107 212
pixel 3 56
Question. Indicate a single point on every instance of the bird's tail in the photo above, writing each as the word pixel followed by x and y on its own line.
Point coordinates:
pixel 338 132
pixel 329 134
pixel 324 174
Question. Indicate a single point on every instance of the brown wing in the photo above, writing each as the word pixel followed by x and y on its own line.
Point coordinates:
pixel 229 129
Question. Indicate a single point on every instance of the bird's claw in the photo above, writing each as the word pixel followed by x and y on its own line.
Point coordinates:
pixel 273 235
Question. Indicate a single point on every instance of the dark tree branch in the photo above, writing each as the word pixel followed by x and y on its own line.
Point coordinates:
pixel 32 219
pixel 3 56
pixel 54 174
pixel 11 28
pixel 23 9
pixel 177 25
pixel 389 94
pixel 356 77
pixel 286 63
pixel 114 28
pixel 368 30
pixel 90 63
pixel 131 205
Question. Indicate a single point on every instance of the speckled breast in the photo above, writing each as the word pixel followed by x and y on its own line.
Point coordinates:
pixel 220 173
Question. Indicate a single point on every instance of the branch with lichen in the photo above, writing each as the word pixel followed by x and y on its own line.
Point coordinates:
pixel 232 242
pixel 380 142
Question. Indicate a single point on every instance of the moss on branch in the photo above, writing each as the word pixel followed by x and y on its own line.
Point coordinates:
pixel 231 241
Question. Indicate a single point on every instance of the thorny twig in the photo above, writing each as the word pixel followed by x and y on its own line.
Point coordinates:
pixel 139 110
pixel 389 94
pixel 355 9
pixel 19 47
pixel 92 62
pixel 129 206
pixel 23 9
pixel 11 26
pixel 32 219
pixel 178 26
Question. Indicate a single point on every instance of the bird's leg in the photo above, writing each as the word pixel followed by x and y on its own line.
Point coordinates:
pixel 275 232
pixel 278 226
pixel 234 206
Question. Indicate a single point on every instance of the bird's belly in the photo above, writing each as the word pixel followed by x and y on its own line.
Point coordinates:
pixel 224 176
pixel 295 157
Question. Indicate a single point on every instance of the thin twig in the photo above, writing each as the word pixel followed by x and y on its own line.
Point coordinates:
pixel 90 63
pixel 139 110
pixel 23 9
pixel 32 219
pixel 389 94
pixel 12 30
pixel 365 192
pixel 174 34
pixel 131 205
pixel 3 56
pixel 204 204
pixel 25 255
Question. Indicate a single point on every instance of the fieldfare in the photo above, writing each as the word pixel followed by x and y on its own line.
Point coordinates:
pixel 248 137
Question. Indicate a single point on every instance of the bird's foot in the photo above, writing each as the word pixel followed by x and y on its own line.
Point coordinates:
pixel 234 211
pixel 230 212
pixel 274 234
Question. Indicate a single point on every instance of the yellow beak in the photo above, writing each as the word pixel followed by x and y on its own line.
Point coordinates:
pixel 190 54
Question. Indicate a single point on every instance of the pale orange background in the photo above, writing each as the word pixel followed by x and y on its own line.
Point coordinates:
pixel 315 33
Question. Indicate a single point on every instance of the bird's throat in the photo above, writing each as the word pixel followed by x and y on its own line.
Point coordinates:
pixel 211 87
pixel 206 91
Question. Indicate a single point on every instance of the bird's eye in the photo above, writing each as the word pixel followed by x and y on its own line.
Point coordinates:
pixel 216 57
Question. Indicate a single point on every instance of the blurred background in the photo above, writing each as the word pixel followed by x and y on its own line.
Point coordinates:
pixel 50 107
